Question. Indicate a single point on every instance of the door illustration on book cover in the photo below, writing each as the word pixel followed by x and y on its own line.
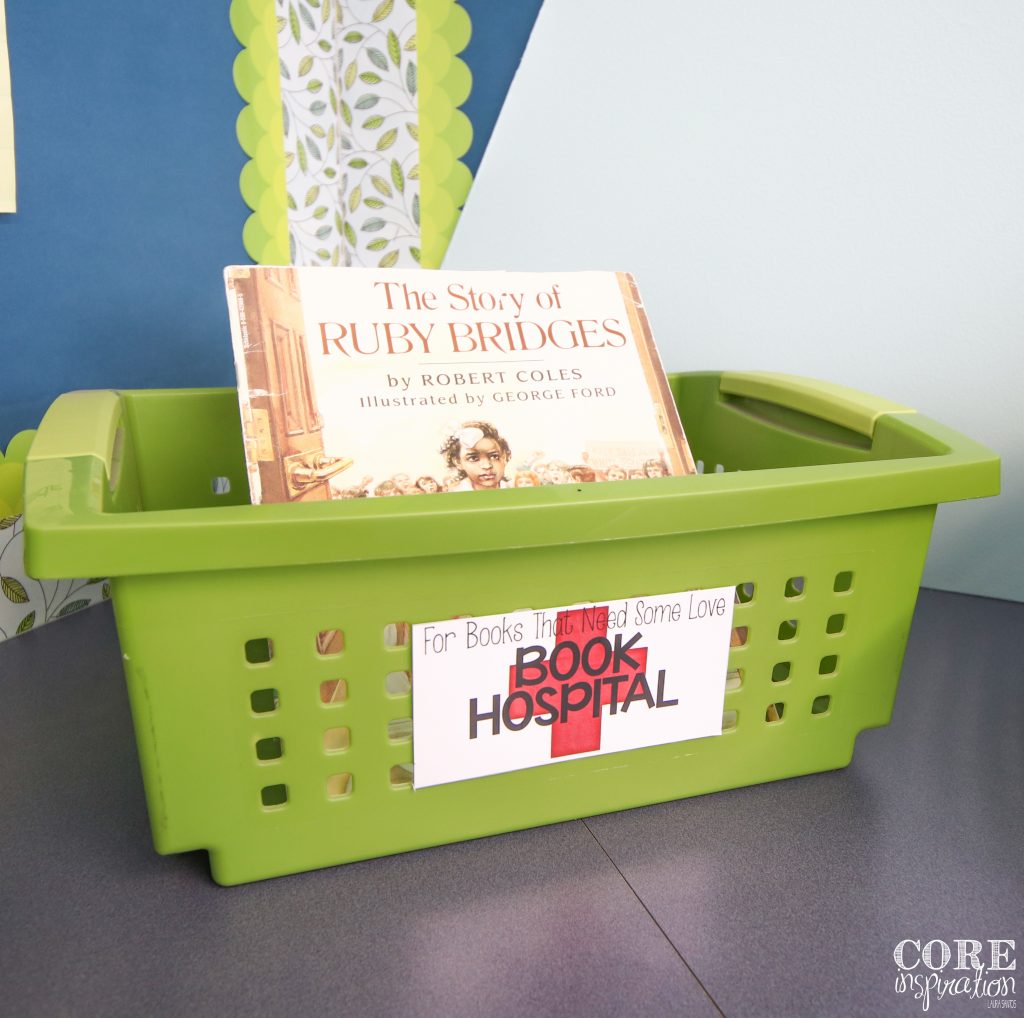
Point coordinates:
pixel 284 425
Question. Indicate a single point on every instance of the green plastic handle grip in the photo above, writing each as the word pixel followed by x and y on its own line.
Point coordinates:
pixel 84 423
pixel 849 408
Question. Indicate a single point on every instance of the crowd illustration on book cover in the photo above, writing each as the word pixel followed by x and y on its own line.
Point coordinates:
pixel 477 457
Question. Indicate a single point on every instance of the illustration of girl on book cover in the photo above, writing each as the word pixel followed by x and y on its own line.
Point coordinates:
pixel 478 455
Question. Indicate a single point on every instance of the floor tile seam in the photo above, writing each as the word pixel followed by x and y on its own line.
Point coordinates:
pixel 661 929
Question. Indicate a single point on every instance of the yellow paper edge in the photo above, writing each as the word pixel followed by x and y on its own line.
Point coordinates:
pixel 8 198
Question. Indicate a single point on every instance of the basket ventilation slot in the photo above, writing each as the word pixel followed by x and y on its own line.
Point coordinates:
pixel 337 740
pixel 269 749
pixel 339 786
pixel 333 692
pixel 330 642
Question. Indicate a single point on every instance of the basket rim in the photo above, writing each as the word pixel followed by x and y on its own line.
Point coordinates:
pixel 73 529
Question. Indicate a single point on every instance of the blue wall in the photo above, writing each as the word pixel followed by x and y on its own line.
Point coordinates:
pixel 500 33
pixel 128 201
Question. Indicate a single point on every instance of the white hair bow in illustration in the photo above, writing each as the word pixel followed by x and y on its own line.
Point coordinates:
pixel 467 437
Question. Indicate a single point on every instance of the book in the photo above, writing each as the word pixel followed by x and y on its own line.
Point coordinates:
pixel 361 382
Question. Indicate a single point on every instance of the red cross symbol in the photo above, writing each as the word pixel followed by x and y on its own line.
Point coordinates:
pixel 580 732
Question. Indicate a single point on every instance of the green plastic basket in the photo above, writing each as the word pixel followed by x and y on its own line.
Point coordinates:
pixel 266 647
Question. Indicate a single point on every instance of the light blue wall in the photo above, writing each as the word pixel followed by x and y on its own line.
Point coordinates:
pixel 832 190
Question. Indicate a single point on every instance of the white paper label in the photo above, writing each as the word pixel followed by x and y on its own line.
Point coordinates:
pixel 499 693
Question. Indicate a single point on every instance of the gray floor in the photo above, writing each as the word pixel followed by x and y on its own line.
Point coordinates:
pixel 784 899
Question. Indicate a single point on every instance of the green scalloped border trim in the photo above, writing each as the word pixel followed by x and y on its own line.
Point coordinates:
pixel 12 471
pixel 260 131
pixel 443 31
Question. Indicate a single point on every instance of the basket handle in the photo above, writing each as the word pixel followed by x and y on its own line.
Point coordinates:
pixel 849 408
pixel 86 423
pixel 73 475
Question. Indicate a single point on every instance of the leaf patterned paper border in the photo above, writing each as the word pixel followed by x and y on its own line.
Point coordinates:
pixel 26 603
pixel 353 159
pixel 352 128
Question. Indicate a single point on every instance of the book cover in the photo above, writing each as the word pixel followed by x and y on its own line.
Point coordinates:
pixel 361 382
